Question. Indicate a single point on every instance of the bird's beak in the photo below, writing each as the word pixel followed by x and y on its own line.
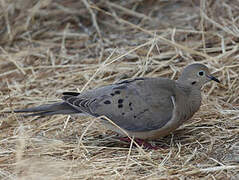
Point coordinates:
pixel 213 78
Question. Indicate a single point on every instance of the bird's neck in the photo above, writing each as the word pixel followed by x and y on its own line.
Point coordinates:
pixel 189 98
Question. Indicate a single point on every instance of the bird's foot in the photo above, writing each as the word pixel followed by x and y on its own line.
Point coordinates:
pixel 140 142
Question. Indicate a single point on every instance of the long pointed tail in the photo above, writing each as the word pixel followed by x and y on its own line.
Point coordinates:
pixel 48 109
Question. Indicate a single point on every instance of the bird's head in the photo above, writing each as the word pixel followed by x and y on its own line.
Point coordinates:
pixel 196 75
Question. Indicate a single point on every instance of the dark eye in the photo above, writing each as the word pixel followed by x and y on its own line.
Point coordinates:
pixel 201 73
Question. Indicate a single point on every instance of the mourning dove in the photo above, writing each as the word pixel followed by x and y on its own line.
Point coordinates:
pixel 146 108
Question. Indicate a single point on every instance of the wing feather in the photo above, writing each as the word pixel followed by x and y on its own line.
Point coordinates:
pixel 137 105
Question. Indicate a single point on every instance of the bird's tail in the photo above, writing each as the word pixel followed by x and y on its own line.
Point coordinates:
pixel 48 110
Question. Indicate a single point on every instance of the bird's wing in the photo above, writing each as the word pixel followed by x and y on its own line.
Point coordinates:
pixel 140 104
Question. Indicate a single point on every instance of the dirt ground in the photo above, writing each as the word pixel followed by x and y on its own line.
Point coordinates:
pixel 50 46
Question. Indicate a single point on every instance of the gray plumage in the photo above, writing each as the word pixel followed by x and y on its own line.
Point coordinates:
pixel 146 108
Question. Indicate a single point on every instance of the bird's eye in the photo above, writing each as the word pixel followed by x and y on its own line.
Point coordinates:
pixel 201 73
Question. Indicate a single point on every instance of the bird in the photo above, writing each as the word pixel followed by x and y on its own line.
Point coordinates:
pixel 145 108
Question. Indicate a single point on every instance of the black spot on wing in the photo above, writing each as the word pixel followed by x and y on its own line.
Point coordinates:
pixel 120 105
pixel 117 92
pixel 120 101
pixel 107 102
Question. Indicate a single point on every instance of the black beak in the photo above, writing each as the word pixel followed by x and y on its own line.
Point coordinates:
pixel 213 78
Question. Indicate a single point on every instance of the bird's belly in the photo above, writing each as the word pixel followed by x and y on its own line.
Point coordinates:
pixel 169 127
pixel 157 133
pixel 148 135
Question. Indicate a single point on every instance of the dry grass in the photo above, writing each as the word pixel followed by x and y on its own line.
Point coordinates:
pixel 51 46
